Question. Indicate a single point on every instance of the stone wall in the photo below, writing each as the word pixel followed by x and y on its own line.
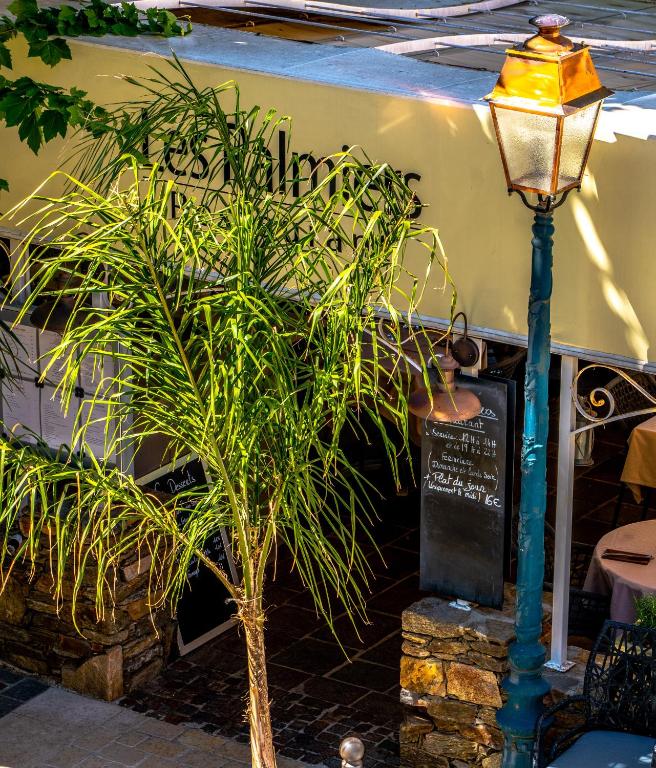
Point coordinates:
pixel 104 659
pixel 452 666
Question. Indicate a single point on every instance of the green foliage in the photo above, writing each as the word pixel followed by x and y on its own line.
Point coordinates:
pixel 38 25
pixel 240 330
pixel 40 111
pixel 645 606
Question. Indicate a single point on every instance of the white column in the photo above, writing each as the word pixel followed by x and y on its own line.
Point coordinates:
pixel 565 492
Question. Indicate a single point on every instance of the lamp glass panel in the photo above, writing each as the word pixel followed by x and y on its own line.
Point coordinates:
pixel 576 138
pixel 528 142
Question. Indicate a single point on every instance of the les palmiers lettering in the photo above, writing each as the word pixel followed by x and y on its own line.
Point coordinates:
pixel 289 172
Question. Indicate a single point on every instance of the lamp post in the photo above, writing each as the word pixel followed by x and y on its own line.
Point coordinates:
pixel 545 107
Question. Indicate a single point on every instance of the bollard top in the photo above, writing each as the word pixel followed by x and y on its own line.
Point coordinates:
pixel 351 750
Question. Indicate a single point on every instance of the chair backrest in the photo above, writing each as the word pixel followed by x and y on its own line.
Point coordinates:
pixel 627 398
pixel 620 679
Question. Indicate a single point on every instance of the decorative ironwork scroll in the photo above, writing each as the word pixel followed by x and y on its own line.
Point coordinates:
pixel 620 392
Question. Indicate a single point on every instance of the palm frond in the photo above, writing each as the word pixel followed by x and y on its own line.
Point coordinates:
pixel 235 329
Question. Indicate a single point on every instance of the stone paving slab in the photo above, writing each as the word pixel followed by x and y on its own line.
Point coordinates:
pixel 61 729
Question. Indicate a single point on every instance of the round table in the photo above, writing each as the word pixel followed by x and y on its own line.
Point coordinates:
pixel 624 581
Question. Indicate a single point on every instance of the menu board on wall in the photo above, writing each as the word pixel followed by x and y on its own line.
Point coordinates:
pixel 466 497
pixel 204 610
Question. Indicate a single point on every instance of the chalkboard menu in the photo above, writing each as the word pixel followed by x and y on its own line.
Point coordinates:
pixel 466 498
pixel 203 610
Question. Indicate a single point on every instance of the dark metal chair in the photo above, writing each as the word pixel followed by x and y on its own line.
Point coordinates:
pixel 617 710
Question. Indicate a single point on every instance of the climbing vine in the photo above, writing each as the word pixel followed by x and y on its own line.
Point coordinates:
pixel 41 111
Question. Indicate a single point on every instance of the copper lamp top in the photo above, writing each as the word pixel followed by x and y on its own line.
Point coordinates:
pixel 548 38
pixel 548 72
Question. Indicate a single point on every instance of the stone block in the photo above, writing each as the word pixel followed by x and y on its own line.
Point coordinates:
pixel 493 761
pixel 414 727
pixel 448 648
pixel 499 631
pixel 27 662
pixel 414 638
pixel 487 715
pixel 499 651
pixel 423 675
pixel 412 699
pixel 48 607
pixel 435 617
pixel 144 605
pixel 45 586
pixel 13 606
pixel 478 686
pixel 14 633
pixel 411 755
pixel 113 620
pixel 432 616
pixel 137 568
pixel 135 663
pixel 451 746
pixel 487 662
pixel 100 676
pixel 483 734
pixel 74 647
pixel 448 711
pixel 134 648
pixel 410 649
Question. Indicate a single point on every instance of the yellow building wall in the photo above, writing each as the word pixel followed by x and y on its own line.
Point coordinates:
pixel 604 258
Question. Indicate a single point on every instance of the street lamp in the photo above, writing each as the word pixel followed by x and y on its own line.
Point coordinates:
pixel 545 107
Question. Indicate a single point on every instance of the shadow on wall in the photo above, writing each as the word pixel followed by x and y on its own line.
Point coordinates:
pixel 615 297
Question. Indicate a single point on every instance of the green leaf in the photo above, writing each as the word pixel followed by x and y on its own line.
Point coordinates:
pixel 4 185
pixel 5 56
pixel 23 7
pixel 124 29
pixel 29 132
pixel 51 52
pixel 34 34
pixel 130 12
pixel 92 19
pixel 7 28
pixel 66 20
pixel 53 122
pixel 14 106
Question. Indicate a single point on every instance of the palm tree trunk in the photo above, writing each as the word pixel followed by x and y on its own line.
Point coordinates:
pixel 262 752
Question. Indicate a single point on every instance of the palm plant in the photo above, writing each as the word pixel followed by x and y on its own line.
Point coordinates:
pixel 239 332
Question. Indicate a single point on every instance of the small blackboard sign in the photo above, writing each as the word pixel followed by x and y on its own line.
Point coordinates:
pixel 466 497
pixel 203 610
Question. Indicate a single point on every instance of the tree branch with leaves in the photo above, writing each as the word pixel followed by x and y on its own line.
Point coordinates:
pixel 41 111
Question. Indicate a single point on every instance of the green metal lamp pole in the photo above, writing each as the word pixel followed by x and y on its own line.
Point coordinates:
pixel 525 685
pixel 544 107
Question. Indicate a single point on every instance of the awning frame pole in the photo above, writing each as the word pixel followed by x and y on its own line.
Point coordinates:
pixel 564 504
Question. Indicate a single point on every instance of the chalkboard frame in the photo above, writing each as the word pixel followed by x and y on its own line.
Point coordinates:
pixel 144 480
pixel 474 568
pixel 511 446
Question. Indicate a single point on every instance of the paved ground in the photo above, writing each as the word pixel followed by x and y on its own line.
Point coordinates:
pixel 60 729
pixel 318 695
